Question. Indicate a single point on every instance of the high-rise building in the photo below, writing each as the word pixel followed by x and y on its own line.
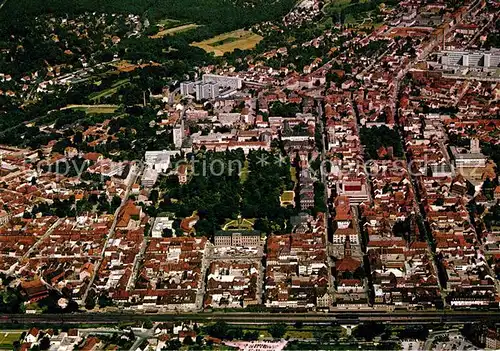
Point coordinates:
pixel 211 86
pixel 474 146
pixel 179 134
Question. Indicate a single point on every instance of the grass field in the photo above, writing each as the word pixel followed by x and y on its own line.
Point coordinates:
pixel 293 174
pixel 228 42
pixel 7 339
pixel 339 4
pixel 244 173
pixel 168 23
pixel 240 223
pixel 108 92
pixel 93 109
pixel 174 30
pixel 299 334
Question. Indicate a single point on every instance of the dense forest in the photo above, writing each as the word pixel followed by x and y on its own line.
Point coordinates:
pixel 215 15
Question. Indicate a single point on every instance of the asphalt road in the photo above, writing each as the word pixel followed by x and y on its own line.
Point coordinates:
pixel 341 317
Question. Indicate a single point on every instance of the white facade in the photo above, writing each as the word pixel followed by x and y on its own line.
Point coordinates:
pixel 159 160
pixel 159 225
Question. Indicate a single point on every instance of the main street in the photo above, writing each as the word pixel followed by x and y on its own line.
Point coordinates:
pixel 339 317
pixel 111 232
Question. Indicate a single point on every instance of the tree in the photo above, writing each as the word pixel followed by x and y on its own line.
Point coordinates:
pixel 218 330
pixel 90 303
pixel 420 332
pixel 251 335
pixel 147 324
pixel 235 333
pixel 327 337
pixel 488 188
pixel 10 301
pixel 167 233
pixel 377 137
pixel 78 138
pixel 116 202
pixel 277 330
pixel 45 343
pixel 359 273
pixel 153 196
pixel 368 331
pixel 104 301
pixel 188 340
pixel 347 275
pixel 173 344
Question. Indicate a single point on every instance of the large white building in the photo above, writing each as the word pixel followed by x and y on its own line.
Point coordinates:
pixel 211 86
pixel 149 177
pixel 159 160
pixel 478 58
pixel 472 158
pixel 229 82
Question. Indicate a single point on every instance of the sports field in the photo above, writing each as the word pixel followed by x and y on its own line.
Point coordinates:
pixel 228 42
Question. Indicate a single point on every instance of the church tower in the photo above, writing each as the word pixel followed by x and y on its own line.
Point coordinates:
pixel 347 247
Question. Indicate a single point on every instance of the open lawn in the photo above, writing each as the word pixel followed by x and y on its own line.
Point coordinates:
pixel 174 30
pixel 7 339
pixel 228 42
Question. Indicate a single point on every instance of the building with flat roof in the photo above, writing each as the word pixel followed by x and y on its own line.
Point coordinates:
pixel 159 160
pixel 468 159
pixel 149 177
pixel 477 58
pixel 211 86
pixel 229 82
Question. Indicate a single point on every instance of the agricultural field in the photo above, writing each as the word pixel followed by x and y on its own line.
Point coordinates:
pixel 228 42
pixel 174 30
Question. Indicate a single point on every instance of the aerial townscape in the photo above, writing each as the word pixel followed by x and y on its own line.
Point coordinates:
pixel 249 175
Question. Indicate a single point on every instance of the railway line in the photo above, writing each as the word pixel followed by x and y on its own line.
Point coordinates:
pixel 340 317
